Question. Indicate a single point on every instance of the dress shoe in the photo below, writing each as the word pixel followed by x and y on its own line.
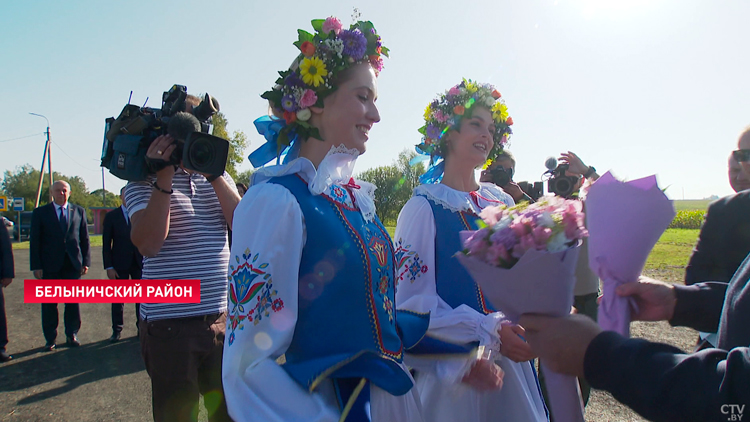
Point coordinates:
pixel 49 347
pixel 115 337
pixel 4 356
pixel 73 341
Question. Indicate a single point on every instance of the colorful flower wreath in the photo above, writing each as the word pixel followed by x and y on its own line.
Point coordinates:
pixel 445 113
pixel 324 55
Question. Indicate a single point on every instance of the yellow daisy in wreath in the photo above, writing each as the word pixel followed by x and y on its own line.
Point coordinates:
pixel 499 112
pixel 312 71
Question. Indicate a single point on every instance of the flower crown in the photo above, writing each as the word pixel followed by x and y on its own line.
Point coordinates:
pixel 323 56
pixel 446 112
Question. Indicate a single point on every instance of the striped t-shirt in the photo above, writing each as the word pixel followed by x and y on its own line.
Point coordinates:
pixel 195 248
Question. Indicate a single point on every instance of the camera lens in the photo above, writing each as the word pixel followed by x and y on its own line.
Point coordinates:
pixel 201 153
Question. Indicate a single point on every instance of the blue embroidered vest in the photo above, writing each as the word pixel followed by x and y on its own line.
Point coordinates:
pixel 346 324
pixel 450 275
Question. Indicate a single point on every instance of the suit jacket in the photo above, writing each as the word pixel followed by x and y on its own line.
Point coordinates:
pixel 117 248
pixel 723 242
pixel 6 254
pixel 49 244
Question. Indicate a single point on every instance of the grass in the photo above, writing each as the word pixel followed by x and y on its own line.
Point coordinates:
pixel 691 204
pixel 94 240
pixel 670 255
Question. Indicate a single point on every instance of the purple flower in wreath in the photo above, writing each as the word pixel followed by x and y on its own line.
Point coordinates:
pixel 433 132
pixel 355 43
pixel 293 80
pixel 287 102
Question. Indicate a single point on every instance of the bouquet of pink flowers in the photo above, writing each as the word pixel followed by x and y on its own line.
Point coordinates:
pixel 524 259
pixel 553 224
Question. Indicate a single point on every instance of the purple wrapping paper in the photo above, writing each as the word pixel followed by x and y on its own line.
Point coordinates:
pixel 624 220
pixel 540 283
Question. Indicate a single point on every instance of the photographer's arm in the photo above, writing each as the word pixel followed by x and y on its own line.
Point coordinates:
pixel 228 197
pixel 576 166
pixel 150 226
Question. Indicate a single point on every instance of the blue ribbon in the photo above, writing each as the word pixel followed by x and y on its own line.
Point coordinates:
pixel 269 127
pixel 434 174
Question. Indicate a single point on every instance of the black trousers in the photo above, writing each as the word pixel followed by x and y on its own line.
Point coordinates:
pixel 3 322
pixel 118 309
pixel 72 316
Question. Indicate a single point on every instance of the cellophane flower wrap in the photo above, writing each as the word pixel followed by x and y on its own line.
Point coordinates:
pixel 524 260
pixel 625 220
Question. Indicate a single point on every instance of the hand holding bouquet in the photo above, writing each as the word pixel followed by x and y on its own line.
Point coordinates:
pixel 524 260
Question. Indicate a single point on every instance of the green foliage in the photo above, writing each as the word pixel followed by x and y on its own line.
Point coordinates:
pixel 111 199
pixel 244 177
pixel 395 184
pixel 237 143
pixel 688 219
pixel 24 181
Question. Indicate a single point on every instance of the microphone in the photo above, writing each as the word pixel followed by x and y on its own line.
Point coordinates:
pixel 182 124
pixel 550 163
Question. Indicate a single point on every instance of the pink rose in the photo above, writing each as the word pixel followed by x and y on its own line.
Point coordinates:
pixel 332 24
pixel 491 215
pixel 477 243
pixel 308 99
pixel 454 91
pixel 541 235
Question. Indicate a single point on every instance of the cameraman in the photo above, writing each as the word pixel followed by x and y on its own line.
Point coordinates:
pixel 586 290
pixel 505 163
pixel 179 224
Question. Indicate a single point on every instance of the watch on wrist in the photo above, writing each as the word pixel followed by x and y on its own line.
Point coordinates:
pixel 590 172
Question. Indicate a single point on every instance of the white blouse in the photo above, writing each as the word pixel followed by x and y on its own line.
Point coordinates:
pixel 443 396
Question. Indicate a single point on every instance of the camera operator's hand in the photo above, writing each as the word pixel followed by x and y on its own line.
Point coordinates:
pixel 575 164
pixel 514 190
pixel 161 148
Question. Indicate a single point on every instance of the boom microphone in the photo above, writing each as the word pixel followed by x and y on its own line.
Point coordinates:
pixel 183 124
pixel 550 163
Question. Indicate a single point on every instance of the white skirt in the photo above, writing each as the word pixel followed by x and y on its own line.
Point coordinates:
pixel 519 400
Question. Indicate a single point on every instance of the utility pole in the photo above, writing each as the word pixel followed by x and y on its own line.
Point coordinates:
pixel 48 156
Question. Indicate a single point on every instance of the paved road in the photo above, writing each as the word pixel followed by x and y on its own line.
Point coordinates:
pixel 96 382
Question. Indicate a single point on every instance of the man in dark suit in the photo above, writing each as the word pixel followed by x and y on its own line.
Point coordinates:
pixel 724 239
pixel 59 248
pixel 121 259
pixel 6 277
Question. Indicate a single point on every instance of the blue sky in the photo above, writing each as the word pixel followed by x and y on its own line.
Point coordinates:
pixel 636 86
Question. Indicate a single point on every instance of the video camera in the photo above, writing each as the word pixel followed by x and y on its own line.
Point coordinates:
pixel 128 137
pixel 559 183
pixel 501 177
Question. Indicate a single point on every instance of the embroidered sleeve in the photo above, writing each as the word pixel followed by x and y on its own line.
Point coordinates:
pixel 263 271
pixel 415 243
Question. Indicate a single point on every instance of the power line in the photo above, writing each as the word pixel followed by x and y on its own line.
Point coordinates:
pixel 74 160
pixel 22 137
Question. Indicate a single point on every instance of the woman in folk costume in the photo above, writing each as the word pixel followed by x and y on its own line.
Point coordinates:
pixel 312 330
pixel 473 364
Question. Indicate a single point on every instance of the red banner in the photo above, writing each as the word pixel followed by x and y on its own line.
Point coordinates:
pixel 112 291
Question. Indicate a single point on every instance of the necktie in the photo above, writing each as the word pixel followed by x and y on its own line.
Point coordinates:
pixel 63 220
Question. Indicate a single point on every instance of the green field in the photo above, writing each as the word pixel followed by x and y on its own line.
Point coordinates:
pixel 94 240
pixel 691 204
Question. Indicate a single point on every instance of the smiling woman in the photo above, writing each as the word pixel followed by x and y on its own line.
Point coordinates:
pixel 466 127
pixel 308 250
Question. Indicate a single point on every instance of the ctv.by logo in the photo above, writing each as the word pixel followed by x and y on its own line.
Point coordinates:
pixel 733 410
